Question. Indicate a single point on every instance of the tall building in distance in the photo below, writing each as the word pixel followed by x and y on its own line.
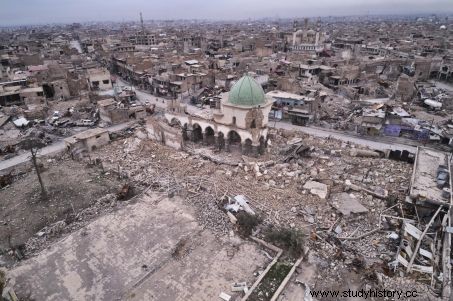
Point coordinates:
pixel 306 39
pixel 143 37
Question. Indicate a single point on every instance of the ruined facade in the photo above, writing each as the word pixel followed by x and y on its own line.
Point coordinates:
pixel 238 123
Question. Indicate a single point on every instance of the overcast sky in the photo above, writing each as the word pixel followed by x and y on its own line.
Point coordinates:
pixel 14 12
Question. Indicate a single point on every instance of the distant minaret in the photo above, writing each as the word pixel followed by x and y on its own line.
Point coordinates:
pixel 141 22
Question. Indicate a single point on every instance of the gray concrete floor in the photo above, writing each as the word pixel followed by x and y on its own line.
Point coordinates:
pixel 129 255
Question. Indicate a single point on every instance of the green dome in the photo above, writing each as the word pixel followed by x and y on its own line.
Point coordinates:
pixel 247 92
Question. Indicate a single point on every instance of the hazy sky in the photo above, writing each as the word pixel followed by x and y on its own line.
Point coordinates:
pixel 13 12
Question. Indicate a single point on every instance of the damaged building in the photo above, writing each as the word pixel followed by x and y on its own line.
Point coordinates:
pixel 237 123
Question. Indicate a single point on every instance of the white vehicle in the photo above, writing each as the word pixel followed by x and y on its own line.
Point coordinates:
pixel 87 122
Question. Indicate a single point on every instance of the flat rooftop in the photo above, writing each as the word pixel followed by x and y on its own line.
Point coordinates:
pixel 153 249
pixel 287 95
pixel 89 133
pixel 424 184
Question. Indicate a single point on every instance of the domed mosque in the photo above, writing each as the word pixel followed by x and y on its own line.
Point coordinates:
pixel 238 121
pixel 305 39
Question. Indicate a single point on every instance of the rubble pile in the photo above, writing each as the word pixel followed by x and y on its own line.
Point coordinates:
pixel 334 112
pixel 75 221
pixel 296 194
pixel 149 172
pixel 336 192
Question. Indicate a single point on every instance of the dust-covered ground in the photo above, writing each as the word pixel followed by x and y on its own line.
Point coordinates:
pixel 71 187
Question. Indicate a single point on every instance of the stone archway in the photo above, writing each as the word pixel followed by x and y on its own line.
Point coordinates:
pixel 234 142
pixel 209 136
pixel 185 132
pixel 220 141
pixel 262 146
pixel 247 147
pixel 197 133
pixel 175 122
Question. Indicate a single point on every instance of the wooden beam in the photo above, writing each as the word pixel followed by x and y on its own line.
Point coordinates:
pixel 419 242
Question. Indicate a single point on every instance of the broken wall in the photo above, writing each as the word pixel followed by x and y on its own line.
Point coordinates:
pixel 159 131
pixel 61 89
pixel 405 88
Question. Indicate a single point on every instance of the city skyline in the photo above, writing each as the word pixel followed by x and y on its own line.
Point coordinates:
pixel 30 12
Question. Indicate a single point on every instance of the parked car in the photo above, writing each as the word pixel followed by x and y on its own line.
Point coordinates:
pixel 85 122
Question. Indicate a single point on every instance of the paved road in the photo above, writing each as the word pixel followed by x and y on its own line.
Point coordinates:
pixel 52 148
pixel 379 143
pixel 160 102
pixel 142 96
pixel 372 142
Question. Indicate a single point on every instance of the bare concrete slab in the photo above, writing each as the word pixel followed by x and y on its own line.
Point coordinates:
pixel 347 204
pixel 152 250
pixel 424 184
pixel 210 269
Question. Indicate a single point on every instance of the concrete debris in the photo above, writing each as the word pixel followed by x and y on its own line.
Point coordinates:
pixel 224 296
pixel 239 287
pixel 239 202
pixel 347 203
pixel 316 188
pixel 364 153
pixel 295 140
pixel 232 218
pixel 295 151
pixel 392 235
pixel 377 192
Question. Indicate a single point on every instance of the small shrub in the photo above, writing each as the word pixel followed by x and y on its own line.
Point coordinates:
pixel 247 222
pixel 291 240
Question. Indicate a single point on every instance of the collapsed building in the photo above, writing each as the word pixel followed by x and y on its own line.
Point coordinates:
pixel 99 79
